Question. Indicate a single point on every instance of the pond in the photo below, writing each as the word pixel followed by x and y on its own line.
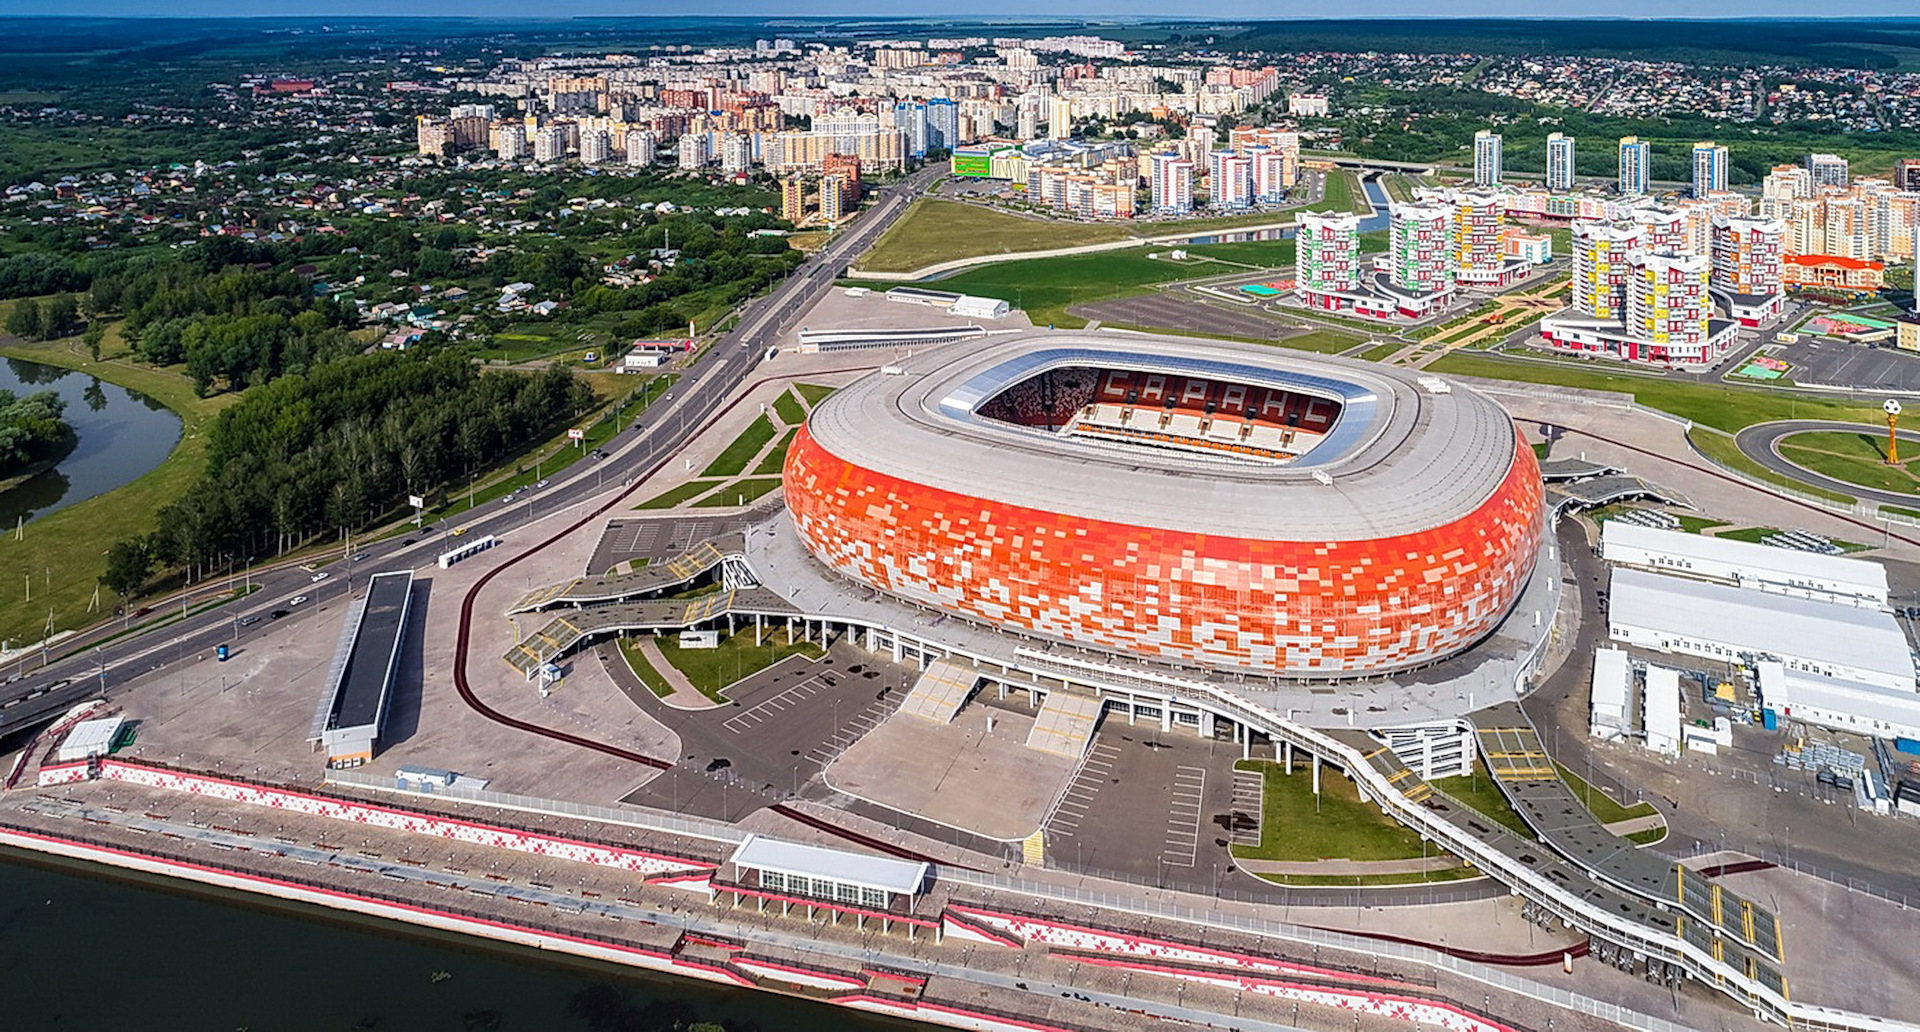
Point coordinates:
pixel 121 435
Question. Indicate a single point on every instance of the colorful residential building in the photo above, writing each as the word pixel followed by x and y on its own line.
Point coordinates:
pixel 1326 258
pixel 1171 183
pixel 1833 273
pixel 1487 158
pixel 1559 162
pixel 1478 260
pixel 1635 157
pixel 1747 267
pixel 1230 180
pixel 1600 267
pixel 1709 168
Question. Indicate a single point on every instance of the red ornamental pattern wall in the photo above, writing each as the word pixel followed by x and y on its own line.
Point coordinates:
pixel 1316 607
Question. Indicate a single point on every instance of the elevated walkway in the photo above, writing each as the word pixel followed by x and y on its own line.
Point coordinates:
pixel 1731 928
pixel 618 587
pixel 940 692
pixel 565 632
pixel 1065 724
pixel 1383 759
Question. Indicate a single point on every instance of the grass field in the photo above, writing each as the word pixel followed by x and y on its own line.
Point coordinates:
pixel 678 495
pixel 1721 449
pixel 1382 352
pixel 938 231
pixel 65 552
pixel 1478 792
pixel 655 682
pixel 739 492
pixel 776 458
pixel 789 409
pixel 1325 342
pixel 1758 535
pixel 814 393
pixel 1725 408
pixel 1341 828
pixel 1857 458
pixel 712 670
pixel 1044 287
pixel 733 461
pixel 1602 805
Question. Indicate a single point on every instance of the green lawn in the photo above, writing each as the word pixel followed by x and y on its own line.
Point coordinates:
pixel 65 552
pixel 1478 793
pixel 1273 253
pixel 1343 827
pixel 771 464
pixel 1857 458
pixel 1755 535
pixel 1721 449
pixel 1602 805
pixel 733 461
pixel 814 393
pixel 1325 342
pixel 630 648
pixel 712 670
pixel 789 409
pixel 935 231
pixel 739 492
pixel 1723 407
pixel 675 496
pixel 1382 352
pixel 1044 287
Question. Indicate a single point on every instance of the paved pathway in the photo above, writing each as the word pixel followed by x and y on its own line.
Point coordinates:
pixel 1440 862
pixel 1761 441
pixel 684 695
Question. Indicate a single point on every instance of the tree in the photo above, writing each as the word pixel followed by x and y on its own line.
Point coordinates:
pixel 128 564
pixel 96 333
pixel 26 321
pixel 60 317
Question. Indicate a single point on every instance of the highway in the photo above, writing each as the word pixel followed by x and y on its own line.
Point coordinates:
pixel 39 685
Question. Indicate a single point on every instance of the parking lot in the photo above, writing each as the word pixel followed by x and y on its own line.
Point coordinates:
pixel 1839 363
pixel 1149 806
pixel 661 537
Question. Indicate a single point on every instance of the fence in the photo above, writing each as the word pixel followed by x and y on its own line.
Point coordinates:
pixel 692 827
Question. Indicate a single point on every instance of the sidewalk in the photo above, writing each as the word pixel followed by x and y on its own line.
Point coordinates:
pixel 1441 862
pixel 684 695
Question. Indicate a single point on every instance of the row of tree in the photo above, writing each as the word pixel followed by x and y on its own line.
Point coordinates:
pixel 339 447
pixel 30 319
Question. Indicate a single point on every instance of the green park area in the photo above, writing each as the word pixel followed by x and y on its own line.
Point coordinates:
pixel 1044 287
pixel 710 671
pixel 748 468
pixel 64 552
pixel 938 231
pixel 1857 458
pixel 1297 827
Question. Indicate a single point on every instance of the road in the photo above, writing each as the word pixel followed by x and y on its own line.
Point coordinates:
pixel 1758 442
pixel 38 686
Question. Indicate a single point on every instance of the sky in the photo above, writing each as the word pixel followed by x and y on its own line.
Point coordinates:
pixel 954 8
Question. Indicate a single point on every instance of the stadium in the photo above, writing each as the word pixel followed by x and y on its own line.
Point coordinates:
pixel 1241 509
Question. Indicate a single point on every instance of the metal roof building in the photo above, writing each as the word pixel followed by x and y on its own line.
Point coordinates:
pixel 353 713
pixel 1661 707
pixel 828 875
pixel 1781 571
pixel 1695 618
pixel 1612 685
pixel 1838 703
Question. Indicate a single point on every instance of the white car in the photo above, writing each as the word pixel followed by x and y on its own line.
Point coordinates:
pixel 297 599
pixel 318 577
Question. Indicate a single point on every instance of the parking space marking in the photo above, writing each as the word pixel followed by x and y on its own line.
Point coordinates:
pixel 1249 796
pixel 1083 789
pixel 1183 816
pixel 788 699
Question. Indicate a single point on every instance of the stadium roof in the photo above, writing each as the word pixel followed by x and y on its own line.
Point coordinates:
pixel 1400 457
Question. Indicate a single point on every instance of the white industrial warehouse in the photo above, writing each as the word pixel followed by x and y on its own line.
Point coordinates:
pixel 1729 624
pixel 1779 571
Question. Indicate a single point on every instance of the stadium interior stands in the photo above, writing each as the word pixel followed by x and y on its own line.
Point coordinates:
pixel 1183 413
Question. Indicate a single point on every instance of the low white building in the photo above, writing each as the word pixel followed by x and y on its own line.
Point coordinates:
pixel 970 307
pixel 1838 703
pixel 1736 625
pixel 1661 707
pixel 90 738
pixel 1612 686
pixel 1781 571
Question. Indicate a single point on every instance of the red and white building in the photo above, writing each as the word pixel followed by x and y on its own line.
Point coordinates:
pixel 1600 267
pixel 1747 268
pixel 1479 256
pixel 1832 272
pixel 1230 180
pixel 1327 268
pixel 1412 281
pixel 1172 183
pixel 1642 303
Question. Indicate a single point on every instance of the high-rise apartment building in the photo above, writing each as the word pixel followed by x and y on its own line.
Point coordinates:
pixel 736 153
pixel 1600 267
pixel 1667 300
pixel 1478 256
pixel 1635 157
pixel 596 147
pixel 1060 118
pixel 1906 174
pixel 693 150
pixel 1747 267
pixel 847 167
pixel 1709 168
pixel 1559 162
pixel 1486 158
pixel 1661 229
pixel 1326 257
pixel 508 140
pixel 550 143
pixel 1171 183
pixel 943 125
pixel 833 194
pixel 793 199
pixel 1827 170
pixel 1420 248
pixel 642 148
pixel 1229 180
pixel 433 136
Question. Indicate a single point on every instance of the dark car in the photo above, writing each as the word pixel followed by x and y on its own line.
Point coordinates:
pixel 278 613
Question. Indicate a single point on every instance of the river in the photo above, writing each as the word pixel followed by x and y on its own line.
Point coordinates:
pixel 85 948
pixel 122 434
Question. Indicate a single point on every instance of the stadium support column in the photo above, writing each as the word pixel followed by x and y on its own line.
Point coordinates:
pixel 1286 746
pixel 1166 715
pixel 1316 774
pixel 756 630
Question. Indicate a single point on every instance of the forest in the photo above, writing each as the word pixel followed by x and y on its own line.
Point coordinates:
pixel 338 447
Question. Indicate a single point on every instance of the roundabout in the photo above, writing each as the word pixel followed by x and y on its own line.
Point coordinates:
pixel 1849 458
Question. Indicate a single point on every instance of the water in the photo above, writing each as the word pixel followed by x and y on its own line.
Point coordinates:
pixel 86 947
pixel 122 435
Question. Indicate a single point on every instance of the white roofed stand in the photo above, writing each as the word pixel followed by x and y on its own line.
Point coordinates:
pixel 822 880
